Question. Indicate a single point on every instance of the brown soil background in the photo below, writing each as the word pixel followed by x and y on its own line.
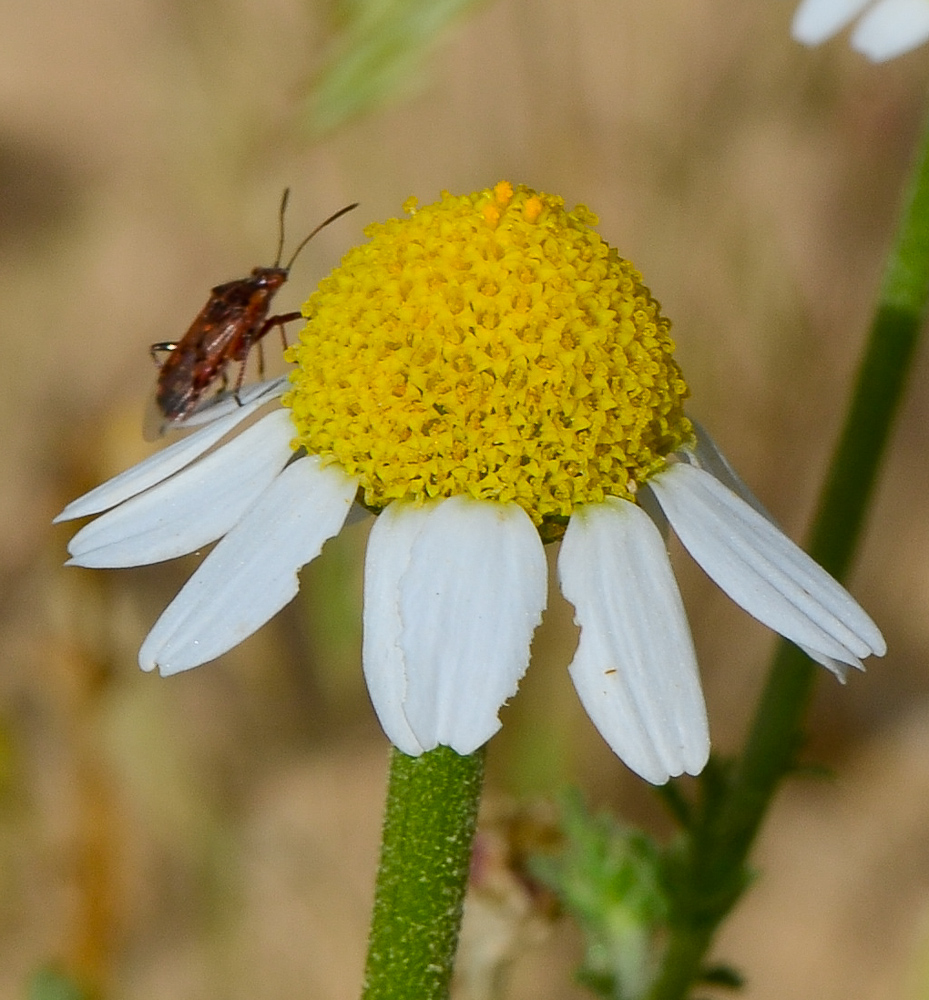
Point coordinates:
pixel 214 835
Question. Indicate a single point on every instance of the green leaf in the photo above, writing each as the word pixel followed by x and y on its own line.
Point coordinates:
pixel 723 976
pixel 51 983
pixel 375 55
pixel 609 878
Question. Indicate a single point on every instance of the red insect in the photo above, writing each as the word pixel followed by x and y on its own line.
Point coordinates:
pixel 234 320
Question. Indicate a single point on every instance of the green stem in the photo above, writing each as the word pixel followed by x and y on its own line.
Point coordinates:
pixel 715 865
pixel 429 823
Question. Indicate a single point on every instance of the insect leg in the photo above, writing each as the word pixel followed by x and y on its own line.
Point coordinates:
pixel 279 321
pixel 165 348
pixel 240 378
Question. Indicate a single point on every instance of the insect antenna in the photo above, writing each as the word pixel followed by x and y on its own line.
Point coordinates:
pixel 280 227
pixel 322 225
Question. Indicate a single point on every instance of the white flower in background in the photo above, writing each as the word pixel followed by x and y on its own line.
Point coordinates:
pixel 486 375
pixel 885 29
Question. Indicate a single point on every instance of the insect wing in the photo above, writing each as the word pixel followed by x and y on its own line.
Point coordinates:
pixel 200 356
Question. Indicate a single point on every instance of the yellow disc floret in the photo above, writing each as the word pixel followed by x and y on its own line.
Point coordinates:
pixel 492 345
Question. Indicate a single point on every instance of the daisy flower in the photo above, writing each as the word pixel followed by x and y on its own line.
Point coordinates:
pixel 486 375
pixel 885 29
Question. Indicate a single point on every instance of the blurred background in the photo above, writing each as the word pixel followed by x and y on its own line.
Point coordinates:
pixel 214 835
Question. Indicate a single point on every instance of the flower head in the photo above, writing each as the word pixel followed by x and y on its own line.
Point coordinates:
pixel 491 346
pixel 485 375
pixel 885 29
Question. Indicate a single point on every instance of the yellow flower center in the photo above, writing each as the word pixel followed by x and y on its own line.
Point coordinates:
pixel 493 345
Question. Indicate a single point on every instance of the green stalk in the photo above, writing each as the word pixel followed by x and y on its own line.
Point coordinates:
pixel 429 823
pixel 713 870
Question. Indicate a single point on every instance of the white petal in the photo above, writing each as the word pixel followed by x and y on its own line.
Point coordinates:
pixel 762 570
pixel 816 20
pixel 836 667
pixel 891 28
pixel 193 508
pixel 469 600
pixel 252 572
pixel 386 561
pixel 229 402
pixel 707 455
pixel 635 669
pixel 156 467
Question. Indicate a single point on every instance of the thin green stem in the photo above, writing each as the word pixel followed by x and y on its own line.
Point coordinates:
pixel 712 870
pixel 429 822
pixel 881 382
